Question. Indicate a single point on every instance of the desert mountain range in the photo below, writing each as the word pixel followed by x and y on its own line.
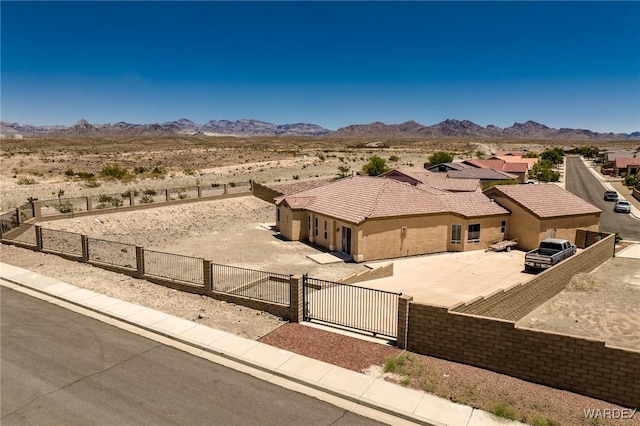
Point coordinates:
pixel 409 129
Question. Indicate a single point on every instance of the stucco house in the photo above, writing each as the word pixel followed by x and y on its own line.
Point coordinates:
pixel 373 218
pixel 519 169
pixel 544 210
pixel 628 166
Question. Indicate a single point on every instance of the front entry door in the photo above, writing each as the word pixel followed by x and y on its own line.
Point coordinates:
pixel 346 240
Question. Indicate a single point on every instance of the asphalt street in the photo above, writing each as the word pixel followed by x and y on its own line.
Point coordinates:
pixel 581 182
pixel 60 367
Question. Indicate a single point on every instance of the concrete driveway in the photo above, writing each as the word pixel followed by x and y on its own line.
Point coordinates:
pixel 450 278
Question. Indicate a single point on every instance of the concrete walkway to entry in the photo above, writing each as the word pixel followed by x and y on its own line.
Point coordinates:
pixel 450 278
pixel 362 394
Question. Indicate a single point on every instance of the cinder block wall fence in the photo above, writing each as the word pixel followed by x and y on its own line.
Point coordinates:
pixel 581 365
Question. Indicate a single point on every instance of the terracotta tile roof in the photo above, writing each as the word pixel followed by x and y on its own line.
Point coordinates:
pixel 483 174
pixel 513 159
pixel 544 200
pixel 417 173
pixel 510 153
pixel 515 167
pixel 623 163
pixel 358 198
pixel 451 184
pixel 454 166
pixel 299 186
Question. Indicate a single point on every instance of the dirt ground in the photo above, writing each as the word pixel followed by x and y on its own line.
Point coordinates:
pixel 608 310
pixel 234 231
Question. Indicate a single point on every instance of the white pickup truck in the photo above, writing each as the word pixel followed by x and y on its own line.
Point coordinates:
pixel 550 252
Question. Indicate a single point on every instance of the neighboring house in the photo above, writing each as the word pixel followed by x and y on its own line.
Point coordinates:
pixel 420 177
pixel 614 155
pixel 446 167
pixel 518 169
pixel 629 166
pixel 272 191
pixel 486 176
pixel 544 210
pixel 374 218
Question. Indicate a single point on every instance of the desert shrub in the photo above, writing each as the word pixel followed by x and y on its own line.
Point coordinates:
pixel 64 206
pixel 129 192
pixel 146 199
pixel 440 157
pixel 139 170
pixel 393 364
pixel 394 158
pixel 108 201
pixel 343 171
pixel 92 183
pixel 296 177
pixel 530 154
pixel 85 175
pixel 27 181
pixel 630 181
pixel 189 172
pixel 69 172
pixel 232 184
pixel 114 171
pixel 322 157
pixel 183 195
pixel 215 185
pixel 151 192
pixel 376 166
pixel 158 170
pixel 504 410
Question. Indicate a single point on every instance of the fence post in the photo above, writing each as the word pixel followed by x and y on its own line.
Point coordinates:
pixel 132 198
pixel 84 241
pixel 224 188
pixel 403 320
pixel 199 191
pixel 251 185
pixel 38 237
pixel 37 209
pixel 89 204
pixel 18 216
pixel 139 262
pixel 208 278
pixel 295 299
pixel 167 195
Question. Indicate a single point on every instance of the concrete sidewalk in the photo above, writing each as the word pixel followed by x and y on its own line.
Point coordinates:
pixel 362 394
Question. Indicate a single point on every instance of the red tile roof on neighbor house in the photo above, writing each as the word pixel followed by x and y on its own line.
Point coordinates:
pixel 623 163
pixel 544 200
pixel 500 165
pixel 358 198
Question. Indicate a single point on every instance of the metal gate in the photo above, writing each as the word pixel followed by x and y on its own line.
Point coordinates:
pixel 346 305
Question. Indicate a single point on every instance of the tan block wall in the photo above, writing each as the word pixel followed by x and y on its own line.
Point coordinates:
pixel 372 274
pixel 264 192
pixel 518 301
pixel 579 365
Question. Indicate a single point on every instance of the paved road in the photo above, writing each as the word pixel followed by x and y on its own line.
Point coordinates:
pixel 60 367
pixel 581 182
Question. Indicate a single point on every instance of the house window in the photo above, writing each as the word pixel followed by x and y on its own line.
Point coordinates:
pixel 503 227
pixel 456 234
pixel 278 214
pixel 316 227
pixel 473 233
pixel 309 223
pixel 325 230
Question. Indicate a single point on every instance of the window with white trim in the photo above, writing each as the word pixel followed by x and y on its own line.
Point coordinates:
pixel 503 227
pixel 473 233
pixel 456 234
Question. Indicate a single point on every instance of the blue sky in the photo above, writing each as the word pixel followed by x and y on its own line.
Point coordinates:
pixel 564 64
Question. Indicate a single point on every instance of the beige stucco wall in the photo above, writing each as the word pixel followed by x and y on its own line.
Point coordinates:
pixel 292 224
pixel 530 230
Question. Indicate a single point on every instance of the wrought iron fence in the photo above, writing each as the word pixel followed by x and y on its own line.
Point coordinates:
pixel 24 234
pixel 237 187
pixel 8 224
pixel 175 267
pixel 62 241
pixel 251 283
pixel 26 212
pixel 211 190
pixel 112 253
pixel 346 305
